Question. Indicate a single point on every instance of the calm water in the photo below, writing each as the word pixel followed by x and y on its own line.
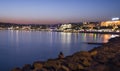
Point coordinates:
pixel 24 47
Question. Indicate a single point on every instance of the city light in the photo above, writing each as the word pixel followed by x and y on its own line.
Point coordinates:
pixel 114 19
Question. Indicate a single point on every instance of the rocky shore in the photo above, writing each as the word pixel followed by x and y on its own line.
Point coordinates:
pixel 102 58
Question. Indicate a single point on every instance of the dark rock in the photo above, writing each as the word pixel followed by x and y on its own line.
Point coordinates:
pixel 43 69
pixel 52 64
pixel 27 67
pixel 75 66
pixel 16 69
pixel 63 68
pixel 38 65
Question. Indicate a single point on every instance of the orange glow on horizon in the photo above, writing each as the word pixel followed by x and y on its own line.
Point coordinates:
pixel 29 21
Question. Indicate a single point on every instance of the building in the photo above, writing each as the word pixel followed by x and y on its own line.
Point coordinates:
pixel 26 27
pixel 65 26
pixel 113 22
pixel 90 25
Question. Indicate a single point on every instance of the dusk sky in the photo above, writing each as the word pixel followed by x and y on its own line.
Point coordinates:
pixel 57 11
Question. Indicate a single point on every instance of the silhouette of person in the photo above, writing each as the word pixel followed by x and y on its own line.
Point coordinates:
pixel 60 56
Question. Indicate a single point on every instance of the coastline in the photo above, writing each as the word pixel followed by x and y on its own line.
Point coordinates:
pixel 101 32
pixel 103 58
pixel 48 30
pixel 95 43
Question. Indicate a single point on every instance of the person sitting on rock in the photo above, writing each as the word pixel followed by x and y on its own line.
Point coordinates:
pixel 60 56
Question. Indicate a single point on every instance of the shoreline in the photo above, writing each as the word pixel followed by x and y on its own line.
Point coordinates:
pixel 46 30
pixel 102 58
pixel 102 32
pixel 95 43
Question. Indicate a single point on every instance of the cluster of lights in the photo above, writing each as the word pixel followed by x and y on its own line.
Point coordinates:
pixel 114 19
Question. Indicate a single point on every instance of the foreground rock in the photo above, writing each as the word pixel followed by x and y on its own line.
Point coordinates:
pixel 103 58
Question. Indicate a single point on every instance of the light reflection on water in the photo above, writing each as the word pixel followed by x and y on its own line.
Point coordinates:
pixel 65 38
pixel 103 38
pixel 21 47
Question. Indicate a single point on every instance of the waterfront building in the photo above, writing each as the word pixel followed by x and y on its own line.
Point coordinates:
pixel 90 25
pixel 114 22
pixel 65 26
pixel 26 27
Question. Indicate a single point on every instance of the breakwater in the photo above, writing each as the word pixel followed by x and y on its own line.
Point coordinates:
pixel 102 58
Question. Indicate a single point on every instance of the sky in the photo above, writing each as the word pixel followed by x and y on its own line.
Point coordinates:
pixel 57 11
